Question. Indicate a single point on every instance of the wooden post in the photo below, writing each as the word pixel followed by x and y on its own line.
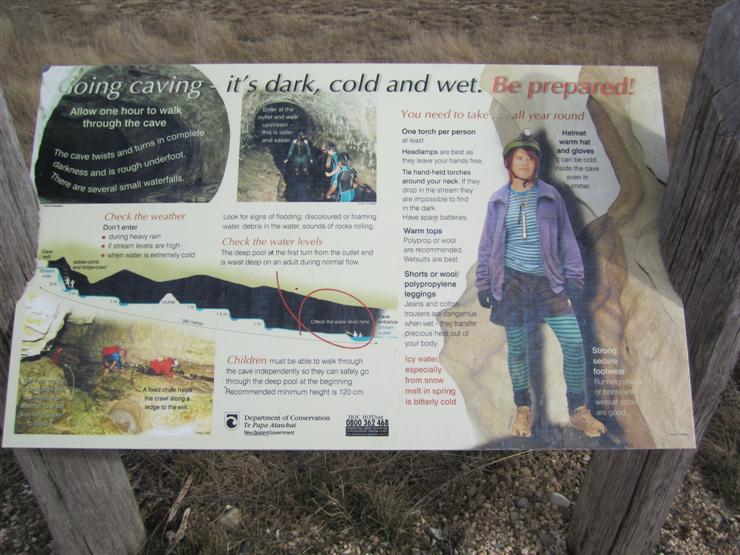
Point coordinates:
pixel 626 495
pixel 85 496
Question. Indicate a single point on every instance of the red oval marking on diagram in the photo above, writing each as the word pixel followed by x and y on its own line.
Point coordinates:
pixel 350 295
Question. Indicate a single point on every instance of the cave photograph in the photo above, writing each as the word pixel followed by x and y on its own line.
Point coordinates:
pixel 298 148
pixel 84 372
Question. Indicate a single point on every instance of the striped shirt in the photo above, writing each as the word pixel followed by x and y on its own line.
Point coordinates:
pixel 524 255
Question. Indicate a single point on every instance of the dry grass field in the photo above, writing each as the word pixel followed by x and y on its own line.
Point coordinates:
pixel 36 33
pixel 295 502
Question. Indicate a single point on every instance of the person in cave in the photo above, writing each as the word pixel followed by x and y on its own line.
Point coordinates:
pixel 328 163
pixel 299 158
pixel 344 182
pixel 530 269
pixel 331 157
pixel 57 355
pixel 164 366
pixel 113 356
pixel 325 163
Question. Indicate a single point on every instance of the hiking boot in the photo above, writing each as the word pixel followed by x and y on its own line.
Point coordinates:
pixel 581 419
pixel 522 426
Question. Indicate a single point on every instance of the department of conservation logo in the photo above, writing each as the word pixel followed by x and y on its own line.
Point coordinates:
pixel 231 420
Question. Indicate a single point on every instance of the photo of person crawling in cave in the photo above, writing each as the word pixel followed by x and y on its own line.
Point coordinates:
pixel 530 270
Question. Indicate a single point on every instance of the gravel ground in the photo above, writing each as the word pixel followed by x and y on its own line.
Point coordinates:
pixel 522 506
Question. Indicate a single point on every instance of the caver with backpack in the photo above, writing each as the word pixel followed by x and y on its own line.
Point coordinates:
pixel 343 181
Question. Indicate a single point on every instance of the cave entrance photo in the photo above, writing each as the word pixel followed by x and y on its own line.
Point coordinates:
pixel 313 149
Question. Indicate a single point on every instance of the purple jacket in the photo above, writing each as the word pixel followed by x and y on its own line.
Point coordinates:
pixel 560 255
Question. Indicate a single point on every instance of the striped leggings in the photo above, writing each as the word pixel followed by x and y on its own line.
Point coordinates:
pixel 568 333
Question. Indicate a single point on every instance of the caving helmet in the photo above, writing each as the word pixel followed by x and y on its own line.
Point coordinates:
pixel 526 141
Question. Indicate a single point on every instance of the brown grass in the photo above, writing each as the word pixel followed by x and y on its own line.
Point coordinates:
pixel 319 496
pixel 192 36
pixel 308 501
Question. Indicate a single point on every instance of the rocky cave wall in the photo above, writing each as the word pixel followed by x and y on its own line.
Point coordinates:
pixel 83 332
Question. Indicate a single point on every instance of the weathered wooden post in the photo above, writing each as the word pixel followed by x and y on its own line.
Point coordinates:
pixel 626 495
pixel 85 496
